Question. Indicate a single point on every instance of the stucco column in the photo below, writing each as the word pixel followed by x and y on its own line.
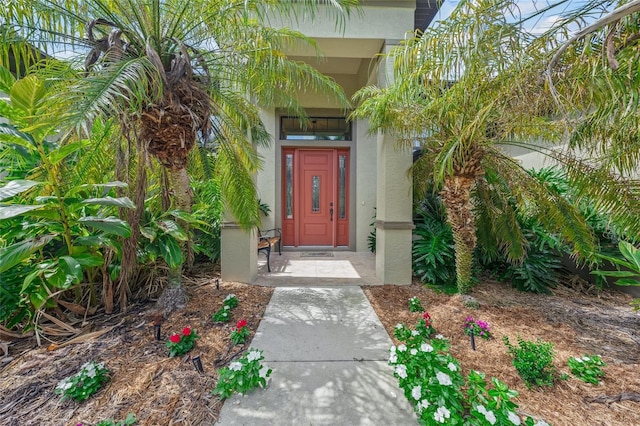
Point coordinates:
pixel 239 257
pixel 394 222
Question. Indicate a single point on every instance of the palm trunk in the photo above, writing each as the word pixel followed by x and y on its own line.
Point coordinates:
pixel 456 196
pixel 183 197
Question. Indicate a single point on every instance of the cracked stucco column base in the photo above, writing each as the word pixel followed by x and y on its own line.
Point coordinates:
pixel 239 257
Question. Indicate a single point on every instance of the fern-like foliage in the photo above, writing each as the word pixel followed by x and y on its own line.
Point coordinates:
pixel 433 249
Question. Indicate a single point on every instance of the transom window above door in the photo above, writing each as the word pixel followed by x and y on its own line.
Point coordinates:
pixel 315 128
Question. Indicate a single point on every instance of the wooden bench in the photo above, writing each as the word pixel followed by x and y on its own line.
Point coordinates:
pixel 268 239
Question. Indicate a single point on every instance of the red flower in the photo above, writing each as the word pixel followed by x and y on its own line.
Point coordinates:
pixel 175 338
pixel 186 331
pixel 241 324
pixel 427 319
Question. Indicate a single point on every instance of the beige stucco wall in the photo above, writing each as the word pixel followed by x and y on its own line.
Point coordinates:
pixel 376 19
pixel 351 60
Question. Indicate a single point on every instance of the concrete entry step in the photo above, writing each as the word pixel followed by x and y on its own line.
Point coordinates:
pixel 318 268
pixel 328 351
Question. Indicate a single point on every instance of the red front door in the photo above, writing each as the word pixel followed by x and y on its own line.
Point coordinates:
pixel 315 197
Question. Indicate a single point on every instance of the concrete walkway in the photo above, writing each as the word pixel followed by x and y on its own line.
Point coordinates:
pixel 328 351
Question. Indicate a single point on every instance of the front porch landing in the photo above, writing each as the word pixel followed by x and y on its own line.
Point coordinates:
pixel 318 268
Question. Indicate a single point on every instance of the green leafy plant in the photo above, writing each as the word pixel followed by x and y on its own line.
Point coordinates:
pixel 242 375
pixel 415 305
pixel 587 368
pixel 533 361
pixel 231 301
pixel 371 237
pixel 223 314
pixel 433 253
pixel 240 333
pixel 128 421
pixel 630 261
pixel 84 383
pixel 432 382
pixel 477 327
pixel 180 344
pixel 56 229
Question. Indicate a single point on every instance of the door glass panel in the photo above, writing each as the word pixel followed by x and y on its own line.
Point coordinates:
pixel 289 186
pixel 315 194
pixel 342 189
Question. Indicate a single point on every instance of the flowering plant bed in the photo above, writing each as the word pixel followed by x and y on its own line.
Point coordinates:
pixel 180 344
pixel 242 375
pixel 477 328
pixel 240 333
pixel 84 383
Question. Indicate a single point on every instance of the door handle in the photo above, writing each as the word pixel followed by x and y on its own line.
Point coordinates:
pixel 331 214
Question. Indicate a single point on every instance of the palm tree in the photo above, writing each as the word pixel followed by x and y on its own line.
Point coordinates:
pixel 173 73
pixel 465 90
pixel 594 77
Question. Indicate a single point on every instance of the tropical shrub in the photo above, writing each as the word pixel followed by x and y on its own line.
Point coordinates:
pixel 433 249
pixel 533 361
pixel 56 229
pixel 207 209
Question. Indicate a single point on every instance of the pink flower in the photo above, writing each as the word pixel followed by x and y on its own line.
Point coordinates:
pixel 241 324
pixel 175 338
pixel 186 331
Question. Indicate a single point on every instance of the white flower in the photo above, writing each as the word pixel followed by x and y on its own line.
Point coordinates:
pixel 439 336
pixel 586 358
pixel 480 409
pixel 229 297
pixel 425 347
pixel 393 358
pixel 399 326
pixel 452 367
pixel 513 418
pixel 253 355
pixel 401 371
pixel 443 378
pixel 415 332
pixel 491 418
pixel 402 348
pixel 578 360
pixel 64 384
pixel 416 392
pixel 392 349
pixel 441 414
pixel 264 371
pixel 235 366
pixel 422 405
pixel 414 351
pixel 225 314
pixel 227 307
pixel 541 423
pixel 91 372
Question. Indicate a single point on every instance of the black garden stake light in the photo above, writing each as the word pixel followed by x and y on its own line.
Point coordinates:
pixel 217 283
pixel 156 327
pixel 197 363
pixel 473 340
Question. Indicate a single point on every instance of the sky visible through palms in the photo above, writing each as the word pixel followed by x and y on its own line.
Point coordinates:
pixel 536 25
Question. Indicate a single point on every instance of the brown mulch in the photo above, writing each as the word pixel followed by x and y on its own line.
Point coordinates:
pixel 169 391
pixel 159 390
pixel 576 323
